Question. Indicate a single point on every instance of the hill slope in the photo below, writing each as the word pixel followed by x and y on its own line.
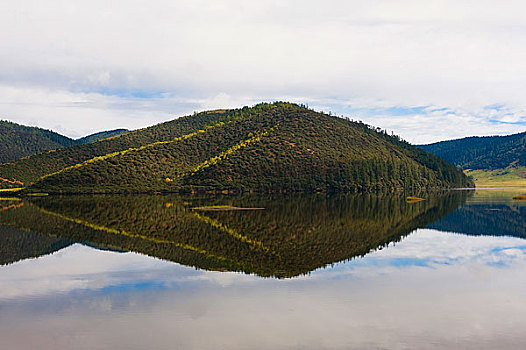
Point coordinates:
pixel 25 171
pixel 17 141
pixel 492 152
pixel 100 135
pixel 269 147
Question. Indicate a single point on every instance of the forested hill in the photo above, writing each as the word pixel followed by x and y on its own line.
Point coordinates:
pixel 268 147
pixel 18 141
pixel 100 135
pixel 492 152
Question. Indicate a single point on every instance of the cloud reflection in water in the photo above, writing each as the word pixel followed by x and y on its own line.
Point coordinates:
pixel 432 290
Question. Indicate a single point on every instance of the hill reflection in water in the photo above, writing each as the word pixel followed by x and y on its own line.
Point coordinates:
pixel 291 236
pixel 487 213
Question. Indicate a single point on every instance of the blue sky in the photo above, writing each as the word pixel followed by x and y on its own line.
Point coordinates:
pixel 427 71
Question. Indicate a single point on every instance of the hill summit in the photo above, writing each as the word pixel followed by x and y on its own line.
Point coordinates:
pixel 265 148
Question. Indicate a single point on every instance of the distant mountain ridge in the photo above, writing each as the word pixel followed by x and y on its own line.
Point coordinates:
pixel 489 152
pixel 17 141
pixel 268 147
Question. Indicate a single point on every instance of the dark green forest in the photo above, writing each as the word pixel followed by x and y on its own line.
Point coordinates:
pixel 266 148
pixel 490 152
pixel 17 141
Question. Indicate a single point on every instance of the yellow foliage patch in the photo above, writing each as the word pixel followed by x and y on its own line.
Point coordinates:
pixel 225 154
pixel 120 153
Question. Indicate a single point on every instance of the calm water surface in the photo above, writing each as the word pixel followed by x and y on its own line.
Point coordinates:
pixel 305 272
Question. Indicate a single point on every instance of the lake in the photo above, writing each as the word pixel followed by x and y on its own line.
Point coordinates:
pixel 264 272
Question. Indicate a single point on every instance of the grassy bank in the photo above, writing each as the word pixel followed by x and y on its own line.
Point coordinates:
pixel 508 177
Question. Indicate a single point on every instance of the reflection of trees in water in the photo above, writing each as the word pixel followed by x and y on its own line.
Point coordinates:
pixel 486 219
pixel 292 236
pixel 16 244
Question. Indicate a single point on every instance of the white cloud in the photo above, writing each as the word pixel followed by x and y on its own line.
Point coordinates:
pixel 459 55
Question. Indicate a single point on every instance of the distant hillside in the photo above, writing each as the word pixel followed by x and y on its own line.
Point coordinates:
pixel 100 135
pixel 269 147
pixel 492 152
pixel 491 161
pixel 17 141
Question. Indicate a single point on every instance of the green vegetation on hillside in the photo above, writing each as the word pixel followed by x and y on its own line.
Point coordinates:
pixel 17 141
pixel 28 170
pixel 266 148
pixel 490 152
